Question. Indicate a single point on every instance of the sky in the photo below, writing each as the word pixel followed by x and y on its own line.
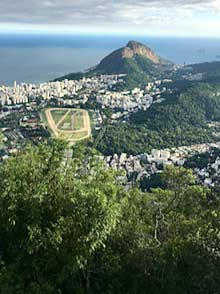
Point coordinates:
pixel 141 17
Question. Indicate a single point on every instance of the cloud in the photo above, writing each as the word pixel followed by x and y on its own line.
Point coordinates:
pixel 101 13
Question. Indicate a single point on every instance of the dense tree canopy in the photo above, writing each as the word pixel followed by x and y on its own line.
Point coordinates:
pixel 168 124
pixel 53 216
pixel 166 241
pixel 69 227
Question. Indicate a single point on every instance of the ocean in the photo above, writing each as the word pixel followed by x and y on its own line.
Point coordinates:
pixel 39 58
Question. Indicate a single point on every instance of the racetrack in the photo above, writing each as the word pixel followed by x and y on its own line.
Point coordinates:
pixel 69 134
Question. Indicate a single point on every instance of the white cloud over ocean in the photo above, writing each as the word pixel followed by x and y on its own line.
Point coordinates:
pixel 176 17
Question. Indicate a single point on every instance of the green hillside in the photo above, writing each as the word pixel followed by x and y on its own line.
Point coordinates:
pixel 209 70
pixel 138 69
pixel 138 62
pixel 182 119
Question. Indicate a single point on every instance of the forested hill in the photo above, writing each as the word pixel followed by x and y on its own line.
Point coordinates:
pixel 119 61
pixel 209 70
pixel 195 106
pixel 136 60
pixel 179 120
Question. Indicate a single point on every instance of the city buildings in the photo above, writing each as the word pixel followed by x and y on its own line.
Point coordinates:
pixel 75 92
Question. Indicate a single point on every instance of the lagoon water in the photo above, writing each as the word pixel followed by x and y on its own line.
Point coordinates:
pixel 40 58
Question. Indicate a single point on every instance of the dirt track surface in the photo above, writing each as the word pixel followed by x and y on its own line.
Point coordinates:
pixel 55 127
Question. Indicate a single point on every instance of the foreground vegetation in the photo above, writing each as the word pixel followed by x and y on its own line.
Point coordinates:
pixel 71 228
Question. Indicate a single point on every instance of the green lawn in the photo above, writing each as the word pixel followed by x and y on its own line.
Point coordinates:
pixel 78 122
pixel 74 136
pixel 78 135
pixel 58 114
pixel 73 121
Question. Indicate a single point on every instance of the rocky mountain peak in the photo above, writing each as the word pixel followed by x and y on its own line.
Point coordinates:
pixel 135 48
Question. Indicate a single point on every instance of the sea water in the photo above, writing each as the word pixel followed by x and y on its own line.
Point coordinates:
pixel 39 58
